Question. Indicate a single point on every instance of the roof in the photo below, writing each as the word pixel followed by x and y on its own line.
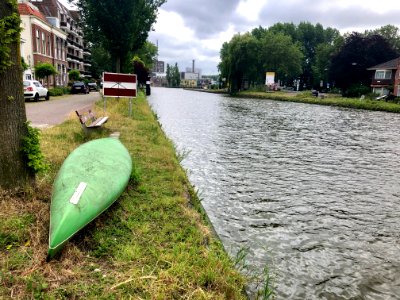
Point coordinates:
pixel 28 9
pixel 48 7
pixel 389 65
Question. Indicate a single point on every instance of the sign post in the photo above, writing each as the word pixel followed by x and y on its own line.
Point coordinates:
pixel 119 85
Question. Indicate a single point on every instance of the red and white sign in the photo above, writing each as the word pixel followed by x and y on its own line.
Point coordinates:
pixel 119 85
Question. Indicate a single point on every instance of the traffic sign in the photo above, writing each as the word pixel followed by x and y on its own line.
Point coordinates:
pixel 119 85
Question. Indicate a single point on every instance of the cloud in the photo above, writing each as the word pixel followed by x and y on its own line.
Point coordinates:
pixel 197 29
pixel 342 15
pixel 206 17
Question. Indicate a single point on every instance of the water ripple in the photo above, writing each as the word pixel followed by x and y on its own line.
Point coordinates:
pixel 312 191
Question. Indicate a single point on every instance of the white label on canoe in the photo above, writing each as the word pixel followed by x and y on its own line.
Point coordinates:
pixel 78 193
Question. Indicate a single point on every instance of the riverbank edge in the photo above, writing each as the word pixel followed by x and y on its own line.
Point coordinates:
pixel 93 267
pixel 326 99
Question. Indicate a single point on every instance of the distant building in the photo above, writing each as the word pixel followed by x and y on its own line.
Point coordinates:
pixel 386 77
pixel 195 70
pixel 42 42
pixel 159 67
pixel 158 79
pixel 190 76
pixel 78 53
pixel 189 79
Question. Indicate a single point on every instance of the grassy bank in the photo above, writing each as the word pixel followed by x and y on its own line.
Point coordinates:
pixel 330 100
pixel 153 243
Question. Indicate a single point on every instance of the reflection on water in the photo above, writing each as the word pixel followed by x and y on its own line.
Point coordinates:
pixel 312 191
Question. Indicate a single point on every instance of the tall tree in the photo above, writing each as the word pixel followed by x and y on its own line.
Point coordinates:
pixel 309 37
pixel 322 62
pixel 14 171
pixel 280 55
pixel 100 61
pixel 359 52
pixel 390 32
pixel 239 60
pixel 249 56
pixel 169 75
pixel 148 54
pixel 176 76
pixel 120 26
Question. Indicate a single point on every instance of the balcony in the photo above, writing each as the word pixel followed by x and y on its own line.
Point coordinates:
pixel 381 82
pixel 74 57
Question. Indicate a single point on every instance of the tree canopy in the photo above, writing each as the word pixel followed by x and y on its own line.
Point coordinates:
pixel 44 70
pixel 314 54
pixel 359 52
pixel 173 75
pixel 248 56
pixel 119 26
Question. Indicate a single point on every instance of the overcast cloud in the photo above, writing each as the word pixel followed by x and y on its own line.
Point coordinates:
pixel 196 29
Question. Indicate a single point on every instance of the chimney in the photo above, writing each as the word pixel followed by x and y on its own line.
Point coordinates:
pixel 193 66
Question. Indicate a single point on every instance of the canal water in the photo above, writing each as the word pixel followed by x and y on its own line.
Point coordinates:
pixel 313 192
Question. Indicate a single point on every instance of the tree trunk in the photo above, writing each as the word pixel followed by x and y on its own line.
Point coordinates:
pixel 118 64
pixel 14 172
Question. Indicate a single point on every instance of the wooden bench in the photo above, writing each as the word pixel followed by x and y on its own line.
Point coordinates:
pixel 88 118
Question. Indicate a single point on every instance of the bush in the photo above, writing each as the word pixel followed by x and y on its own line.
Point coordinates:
pixel 356 91
pixel 56 92
pixel 66 90
pixel 59 91
pixel 32 152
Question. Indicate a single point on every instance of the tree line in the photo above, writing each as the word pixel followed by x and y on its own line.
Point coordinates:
pixel 173 76
pixel 318 57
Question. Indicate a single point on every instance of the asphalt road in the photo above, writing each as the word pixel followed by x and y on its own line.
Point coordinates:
pixel 45 114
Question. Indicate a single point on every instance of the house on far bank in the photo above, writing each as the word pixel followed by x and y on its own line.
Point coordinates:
pixel 386 77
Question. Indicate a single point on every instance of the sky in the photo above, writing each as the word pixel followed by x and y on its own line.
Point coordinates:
pixel 196 29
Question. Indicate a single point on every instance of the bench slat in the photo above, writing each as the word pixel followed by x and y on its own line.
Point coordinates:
pixel 88 119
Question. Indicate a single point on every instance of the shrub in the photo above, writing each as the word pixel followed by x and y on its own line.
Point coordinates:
pixel 66 90
pixel 31 150
pixel 355 91
pixel 56 92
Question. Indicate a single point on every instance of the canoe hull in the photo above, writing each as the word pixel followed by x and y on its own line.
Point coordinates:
pixel 90 180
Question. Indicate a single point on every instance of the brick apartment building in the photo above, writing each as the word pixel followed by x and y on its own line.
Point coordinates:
pixel 42 42
pixel 53 37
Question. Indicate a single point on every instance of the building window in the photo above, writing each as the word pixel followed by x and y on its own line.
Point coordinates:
pixel 43 43
pixel 48 46
pixel 37 41
pixel 383 74
pixel 380 91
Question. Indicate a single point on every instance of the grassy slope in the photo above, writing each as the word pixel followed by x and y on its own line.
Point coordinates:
pixel 332 101
pixel 151 244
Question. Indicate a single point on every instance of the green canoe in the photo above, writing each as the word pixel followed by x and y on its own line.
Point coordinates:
pixel 91 178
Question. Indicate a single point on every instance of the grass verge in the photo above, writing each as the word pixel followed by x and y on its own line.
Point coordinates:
pixel 329 100
pixel 153 243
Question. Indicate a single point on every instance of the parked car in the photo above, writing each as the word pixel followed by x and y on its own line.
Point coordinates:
pixel 92 86
pixel 79 87
pixel 33 90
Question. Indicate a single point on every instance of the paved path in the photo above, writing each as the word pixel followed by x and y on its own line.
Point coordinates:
pixel 45 114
